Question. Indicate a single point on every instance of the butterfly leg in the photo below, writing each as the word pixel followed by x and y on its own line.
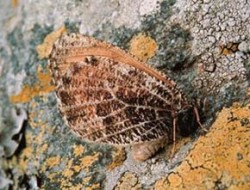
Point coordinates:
pixel 145 150
pixel 174 138
pixel 197 117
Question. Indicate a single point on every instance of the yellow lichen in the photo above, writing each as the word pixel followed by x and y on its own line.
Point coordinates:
pixel 77 187
pixel 23 160
pixel 128 181
pixel 28 157
pixel 78 150
pixel 77 168
pixel 53 161
pixel 219 157
pixel 143 46
pixel 118 158
pixel 94 186
pixel 68 173
pixel 73 167
pixel 45 48
pixel 40 136
pixel 248 92
pixel 52 176
pixel 43 148
pixel 86 180
pixel 74 187
pixel 66 185
pixel 37 145
pixel 41 87
pixel 87 161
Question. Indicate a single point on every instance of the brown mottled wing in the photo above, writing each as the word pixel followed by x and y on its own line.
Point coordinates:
pixel 106 95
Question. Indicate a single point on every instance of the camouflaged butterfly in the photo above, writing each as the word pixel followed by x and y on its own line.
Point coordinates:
pixel 107 95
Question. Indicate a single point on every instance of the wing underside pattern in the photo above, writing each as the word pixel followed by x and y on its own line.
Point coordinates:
pixel 106 100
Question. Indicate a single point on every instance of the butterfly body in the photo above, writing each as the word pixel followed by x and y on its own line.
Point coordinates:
pixel 106 95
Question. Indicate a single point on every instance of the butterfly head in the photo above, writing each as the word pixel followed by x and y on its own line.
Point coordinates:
pixel 186 120
pixel 187 115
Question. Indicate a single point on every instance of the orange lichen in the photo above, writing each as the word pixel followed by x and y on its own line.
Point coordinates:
pixel 41 87
pixel 72 187
pixel 68 172
pixel 94 186
pixel 53 161
pixel 119 156
pixel 78 150
pixel 42 149
pixel 248 92
pixel 72 168
pixel 52 176
pixel 39 138
pixel 87 161
pixel 86 180
pixel 45 48
pixel 27 157
pixel 77 168
pixel 23 160
pixel 128 181
pixel 37 145
pixel 143 47
pixel 220 157
pixel 65 185
pixel 174 148
pixel 228 48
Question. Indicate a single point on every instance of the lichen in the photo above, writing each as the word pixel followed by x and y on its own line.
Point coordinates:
pixel 45 48
pixel 78 150
pixel 87 161
pixel 52 161
pixel 143 46
pixel 218 159
pixel 128 181
pixel 118 156
pixel 188 35
pixel 41 87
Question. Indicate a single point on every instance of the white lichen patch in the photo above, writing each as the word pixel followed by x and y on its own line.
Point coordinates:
pixel 213 25
pixel 90 15
pixel 149 6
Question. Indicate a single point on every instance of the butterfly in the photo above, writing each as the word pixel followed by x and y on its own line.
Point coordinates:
pixel 107 95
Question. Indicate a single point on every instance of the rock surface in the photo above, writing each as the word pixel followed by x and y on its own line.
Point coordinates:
pixel 202 45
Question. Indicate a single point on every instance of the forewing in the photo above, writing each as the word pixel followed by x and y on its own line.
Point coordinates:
pixel 104 99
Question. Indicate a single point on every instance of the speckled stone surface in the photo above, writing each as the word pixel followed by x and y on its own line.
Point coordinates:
pixel 188 40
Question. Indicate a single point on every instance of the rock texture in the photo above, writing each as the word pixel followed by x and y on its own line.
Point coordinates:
pixel 202 45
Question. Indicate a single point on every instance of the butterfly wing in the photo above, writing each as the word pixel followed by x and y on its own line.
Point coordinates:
pixel 106 95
